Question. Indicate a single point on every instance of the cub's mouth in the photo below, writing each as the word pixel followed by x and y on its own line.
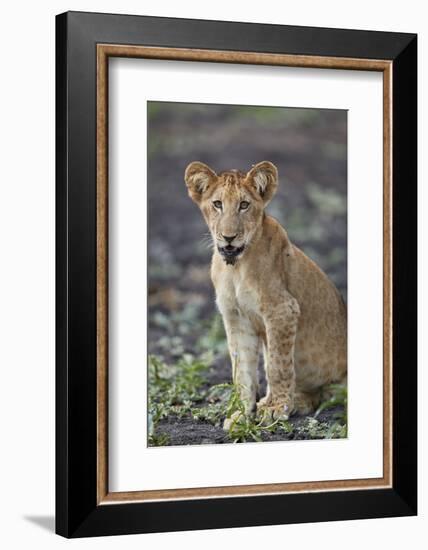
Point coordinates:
pixel 230 253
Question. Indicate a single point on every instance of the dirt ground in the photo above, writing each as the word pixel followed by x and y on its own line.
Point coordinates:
pixel 309 147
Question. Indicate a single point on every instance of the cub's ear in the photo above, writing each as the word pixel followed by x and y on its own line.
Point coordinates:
pixel 199 178
pixel 264 178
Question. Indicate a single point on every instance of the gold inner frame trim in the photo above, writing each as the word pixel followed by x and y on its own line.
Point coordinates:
pixel 104 51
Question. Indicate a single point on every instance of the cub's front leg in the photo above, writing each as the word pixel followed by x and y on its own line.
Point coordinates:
pixel 281 329
pixel 243 343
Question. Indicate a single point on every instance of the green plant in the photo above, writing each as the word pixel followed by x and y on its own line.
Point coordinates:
pixel 173 389
pixel 337 396
pixel 244 427
pixel 158 440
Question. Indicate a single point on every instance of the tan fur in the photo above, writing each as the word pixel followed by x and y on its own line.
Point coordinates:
pixel 271 295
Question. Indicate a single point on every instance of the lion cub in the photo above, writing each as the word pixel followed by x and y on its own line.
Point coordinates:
pixel 270 294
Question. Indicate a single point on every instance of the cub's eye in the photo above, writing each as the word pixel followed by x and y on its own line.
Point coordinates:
pixel 217 204
pixel 244 205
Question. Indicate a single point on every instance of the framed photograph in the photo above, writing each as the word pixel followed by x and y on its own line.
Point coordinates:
pixel 236 274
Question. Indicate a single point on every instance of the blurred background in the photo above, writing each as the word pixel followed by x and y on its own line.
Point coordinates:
pixel 309 148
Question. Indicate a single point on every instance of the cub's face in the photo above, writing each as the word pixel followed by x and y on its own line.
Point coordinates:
pixel 232 203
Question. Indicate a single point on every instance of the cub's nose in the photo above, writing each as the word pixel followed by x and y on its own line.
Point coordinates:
pixel 228 239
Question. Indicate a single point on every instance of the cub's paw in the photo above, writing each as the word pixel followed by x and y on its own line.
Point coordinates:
pixel 269 410
pixel 232 420
pixel 235 418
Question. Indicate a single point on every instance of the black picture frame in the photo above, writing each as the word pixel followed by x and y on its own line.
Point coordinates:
pixel 77 512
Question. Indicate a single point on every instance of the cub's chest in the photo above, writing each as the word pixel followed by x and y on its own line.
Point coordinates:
pixel 235 292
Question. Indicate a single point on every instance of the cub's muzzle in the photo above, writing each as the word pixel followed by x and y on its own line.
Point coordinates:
pixel 230 253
